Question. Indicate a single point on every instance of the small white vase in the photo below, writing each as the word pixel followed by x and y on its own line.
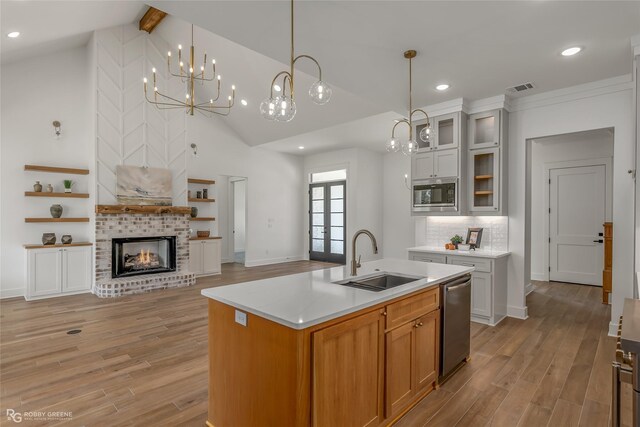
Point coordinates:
pixel 67 190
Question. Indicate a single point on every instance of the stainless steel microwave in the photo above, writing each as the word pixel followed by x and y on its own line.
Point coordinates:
pixel 435 195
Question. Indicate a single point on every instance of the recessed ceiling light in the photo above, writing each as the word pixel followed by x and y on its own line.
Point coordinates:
pixel 243 102
pixel 276 88
pixel 571 51
pixel 301 148
pixel 443 86
pixel 13 34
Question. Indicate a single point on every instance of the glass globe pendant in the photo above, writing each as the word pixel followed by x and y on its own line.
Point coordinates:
pixel 409 147
pixel 320 92
pixel 393 145
pixel 285 109
pixel 268 108
pixel 425 134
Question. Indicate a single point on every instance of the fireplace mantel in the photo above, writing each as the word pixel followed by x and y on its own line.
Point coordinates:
pixel 140 209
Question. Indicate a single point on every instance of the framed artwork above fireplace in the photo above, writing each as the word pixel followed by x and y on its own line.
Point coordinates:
pixel 143 186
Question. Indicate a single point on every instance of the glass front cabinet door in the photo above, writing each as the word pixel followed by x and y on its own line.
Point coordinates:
pixel 484 130
pixel 443 134
pixel 484 177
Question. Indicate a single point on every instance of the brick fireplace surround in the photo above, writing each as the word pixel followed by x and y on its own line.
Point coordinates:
pixel 128 223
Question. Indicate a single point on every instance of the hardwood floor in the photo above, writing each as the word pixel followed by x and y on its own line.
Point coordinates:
pixel 142 360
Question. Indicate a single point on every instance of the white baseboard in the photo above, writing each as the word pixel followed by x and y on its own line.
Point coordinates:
pixel 613 329
pixel 11 293
pixel 268 261
pixel 539 276
pixel 518 312
pixel 528 289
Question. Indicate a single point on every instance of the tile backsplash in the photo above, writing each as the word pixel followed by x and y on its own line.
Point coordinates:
pixel 435 231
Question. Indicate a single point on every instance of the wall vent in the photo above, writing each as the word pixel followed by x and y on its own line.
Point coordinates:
pixel 521 87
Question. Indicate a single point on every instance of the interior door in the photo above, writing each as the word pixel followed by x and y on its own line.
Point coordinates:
pixel 577 203
pixel 327 220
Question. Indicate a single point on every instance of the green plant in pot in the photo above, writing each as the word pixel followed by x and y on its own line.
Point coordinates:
pixel 456 240
pixel 67 185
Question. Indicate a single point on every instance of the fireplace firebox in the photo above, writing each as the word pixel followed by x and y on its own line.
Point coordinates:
pixel 133 256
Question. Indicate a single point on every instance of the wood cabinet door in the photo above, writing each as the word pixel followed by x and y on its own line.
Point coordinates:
pixel 195 257
pixel 427 339
pixel 481 294
pixel 422 166
pixel 445 164
pixel 76 269
pixel 44 272
pixel 348 361
pixel 211 256
pixel 400 376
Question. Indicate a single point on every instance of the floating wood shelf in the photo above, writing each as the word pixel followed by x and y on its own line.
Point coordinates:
pixel 205 238
pixel 56 220
pixel 57 245
pixel 200 181
pixel 52 169
pixel 479 177
pixel 203 218
pixel 483 193
pixel 191 199
pixel 133 209
pixel 46 194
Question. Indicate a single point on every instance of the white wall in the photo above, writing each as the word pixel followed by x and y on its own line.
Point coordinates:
pixel 597 105
pixel 35 92
pixel 239 214
pixel 364 194
pixel 398 225
pixel 558 149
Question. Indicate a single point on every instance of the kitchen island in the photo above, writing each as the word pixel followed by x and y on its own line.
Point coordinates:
pixel 302 350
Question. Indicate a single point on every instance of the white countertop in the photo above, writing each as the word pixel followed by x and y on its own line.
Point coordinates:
pixel 479 253
pixel 307 299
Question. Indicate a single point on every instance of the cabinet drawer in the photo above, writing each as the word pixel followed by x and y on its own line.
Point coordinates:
pixel 426 257
pixel 480 264
pixel 410 308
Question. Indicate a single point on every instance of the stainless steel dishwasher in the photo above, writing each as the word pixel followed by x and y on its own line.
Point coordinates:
pixel 455 329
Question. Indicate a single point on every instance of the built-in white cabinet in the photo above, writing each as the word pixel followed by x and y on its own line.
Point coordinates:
pixel 205 257
pixel 440 164
pixel 445 132
pixel 58 271
pixel 484 180
pixel 488 283
pixel 484 129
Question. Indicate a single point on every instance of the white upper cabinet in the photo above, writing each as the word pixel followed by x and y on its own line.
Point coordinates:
pixel 422 166
pixel 445 164
pixel 484 130
pixel 443 134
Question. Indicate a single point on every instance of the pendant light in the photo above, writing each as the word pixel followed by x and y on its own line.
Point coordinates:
pixel 282 108
pixel 410 146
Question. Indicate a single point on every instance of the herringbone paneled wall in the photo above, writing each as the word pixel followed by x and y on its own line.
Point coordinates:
pixel 130 131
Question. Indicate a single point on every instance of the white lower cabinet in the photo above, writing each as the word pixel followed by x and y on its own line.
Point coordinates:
pixel 58 271
pixel 205 257
pixel 488 283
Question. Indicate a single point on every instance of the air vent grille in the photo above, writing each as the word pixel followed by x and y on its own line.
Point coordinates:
pixel 521 87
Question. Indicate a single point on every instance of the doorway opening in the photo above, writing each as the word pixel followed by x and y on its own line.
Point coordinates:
pixel 571 199
pixel 328 216
pixel 238 218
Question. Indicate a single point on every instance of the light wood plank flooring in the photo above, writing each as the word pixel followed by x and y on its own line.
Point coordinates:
pixel 142 360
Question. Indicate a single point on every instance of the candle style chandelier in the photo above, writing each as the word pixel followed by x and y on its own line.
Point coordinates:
pixel 282 108
pixel 409 146
pixel 189 76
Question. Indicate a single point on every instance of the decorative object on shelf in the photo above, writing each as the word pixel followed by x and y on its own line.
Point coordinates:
pixel 56 211
pixel 143 186
pixel 194 212
pixel 198 194
pixel 282 108
pixel 474 237
pixel 188 73
pixel 191 232
pixel 456 240
pixel 48 238
pixel 464 248
pixel 66 239
pixel 56 128
pixel 194 147
pixel 205 193
pixel 37 187
pixel 49 188
pixel 188 194
pixel 203 233
pixel 409 146
pixel 67 185
pixel 449 246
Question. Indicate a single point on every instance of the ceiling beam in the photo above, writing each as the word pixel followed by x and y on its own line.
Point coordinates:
pixel 151 19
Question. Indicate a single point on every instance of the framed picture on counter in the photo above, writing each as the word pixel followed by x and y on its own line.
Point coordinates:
pixel 474 237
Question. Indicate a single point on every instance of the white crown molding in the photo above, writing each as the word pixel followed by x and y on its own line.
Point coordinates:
pixel 486 104
pixel 446 107
pixel 572 93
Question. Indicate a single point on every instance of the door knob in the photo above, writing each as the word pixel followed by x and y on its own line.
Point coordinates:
pixel 597 241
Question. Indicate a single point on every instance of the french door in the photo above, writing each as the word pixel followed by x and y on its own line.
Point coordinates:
pixel 327 221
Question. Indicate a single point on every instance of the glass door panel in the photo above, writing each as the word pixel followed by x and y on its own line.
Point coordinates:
pixel 326 220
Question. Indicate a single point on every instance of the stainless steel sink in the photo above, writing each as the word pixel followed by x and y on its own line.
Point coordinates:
pixel 379 282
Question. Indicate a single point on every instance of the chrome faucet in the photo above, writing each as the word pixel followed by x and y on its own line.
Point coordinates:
pixel 356 264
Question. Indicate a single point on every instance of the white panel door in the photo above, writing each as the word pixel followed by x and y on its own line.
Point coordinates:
pixel 481 298
pixel 45 275
pixel 422 166
pixel 195 257
pixel 445 164
pixel 211 256
pixel 577 211
pixel 76 269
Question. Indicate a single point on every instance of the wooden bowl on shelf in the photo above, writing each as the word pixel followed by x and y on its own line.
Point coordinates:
pixel 205 233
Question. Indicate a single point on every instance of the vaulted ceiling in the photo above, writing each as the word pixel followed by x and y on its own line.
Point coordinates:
pixel 478 47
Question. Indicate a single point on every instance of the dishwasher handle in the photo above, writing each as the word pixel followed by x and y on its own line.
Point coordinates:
pixel 456 287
